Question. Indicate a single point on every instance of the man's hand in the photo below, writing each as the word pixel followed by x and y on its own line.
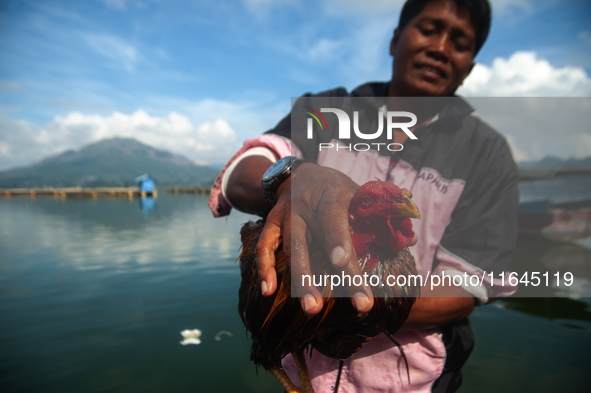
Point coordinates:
pixel 313 203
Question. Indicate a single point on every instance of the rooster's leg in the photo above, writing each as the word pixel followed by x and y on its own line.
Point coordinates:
pixel 300 361
pixel 283 378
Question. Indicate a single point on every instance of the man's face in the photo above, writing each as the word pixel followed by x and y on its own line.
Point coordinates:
pixel 434 53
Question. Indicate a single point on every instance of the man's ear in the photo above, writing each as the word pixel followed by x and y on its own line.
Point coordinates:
pixel 394 41
pixel 468 72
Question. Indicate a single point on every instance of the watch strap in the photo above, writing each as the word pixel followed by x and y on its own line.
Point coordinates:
pixel 270 187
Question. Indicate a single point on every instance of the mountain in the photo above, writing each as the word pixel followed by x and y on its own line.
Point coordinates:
pixel 110 163
pixel 551 161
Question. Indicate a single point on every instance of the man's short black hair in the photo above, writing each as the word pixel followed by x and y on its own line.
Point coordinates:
pixel 479 12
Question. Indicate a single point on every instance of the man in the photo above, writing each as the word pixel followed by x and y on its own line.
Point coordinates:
pixel 464 181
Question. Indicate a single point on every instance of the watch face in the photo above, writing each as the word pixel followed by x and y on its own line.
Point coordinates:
pixel 276 168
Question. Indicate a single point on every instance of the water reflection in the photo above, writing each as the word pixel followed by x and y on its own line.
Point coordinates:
pixel 147 204
pixel 571 188
pixel 551 308
pixel 537 254
pixel 97 234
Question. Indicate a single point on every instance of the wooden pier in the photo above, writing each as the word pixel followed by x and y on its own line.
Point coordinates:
pixel 77 192
pixel 199 191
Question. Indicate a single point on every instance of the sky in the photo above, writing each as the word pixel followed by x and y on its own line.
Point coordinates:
pixel 199 77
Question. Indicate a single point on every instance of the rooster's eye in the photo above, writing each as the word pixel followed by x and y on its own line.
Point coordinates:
pixel 366 200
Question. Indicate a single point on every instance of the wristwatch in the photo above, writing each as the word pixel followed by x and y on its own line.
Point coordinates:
pixel 277 174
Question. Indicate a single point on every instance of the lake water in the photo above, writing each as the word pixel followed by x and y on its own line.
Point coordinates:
pixel 94 294
pixel 561 189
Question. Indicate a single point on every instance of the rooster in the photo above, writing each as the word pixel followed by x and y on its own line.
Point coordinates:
pixel 380 227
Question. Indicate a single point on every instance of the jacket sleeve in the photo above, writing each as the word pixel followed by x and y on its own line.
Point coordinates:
pixel 280 146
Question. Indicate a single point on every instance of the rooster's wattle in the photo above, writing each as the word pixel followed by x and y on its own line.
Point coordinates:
pixel 380 227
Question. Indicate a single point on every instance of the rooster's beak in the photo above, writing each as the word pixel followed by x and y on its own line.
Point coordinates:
pixel 408 208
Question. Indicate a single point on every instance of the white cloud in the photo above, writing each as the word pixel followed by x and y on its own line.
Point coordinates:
pixel 324 49
pixel 114 49
pixel 116 4
pixel 367 44
pixel 346 58
pixel 122 5
pixel 503 6
pixel 22 142
pixel 248 118
pixel 518 154
pixel 586 37
pixel 536 127
pixel 4 149
pixel 262 6
pixel 9 86
pixel 211 138
pixel 367 6
pixel 526 75
pixel 312 50
pixel 582 144
pixel 355 7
